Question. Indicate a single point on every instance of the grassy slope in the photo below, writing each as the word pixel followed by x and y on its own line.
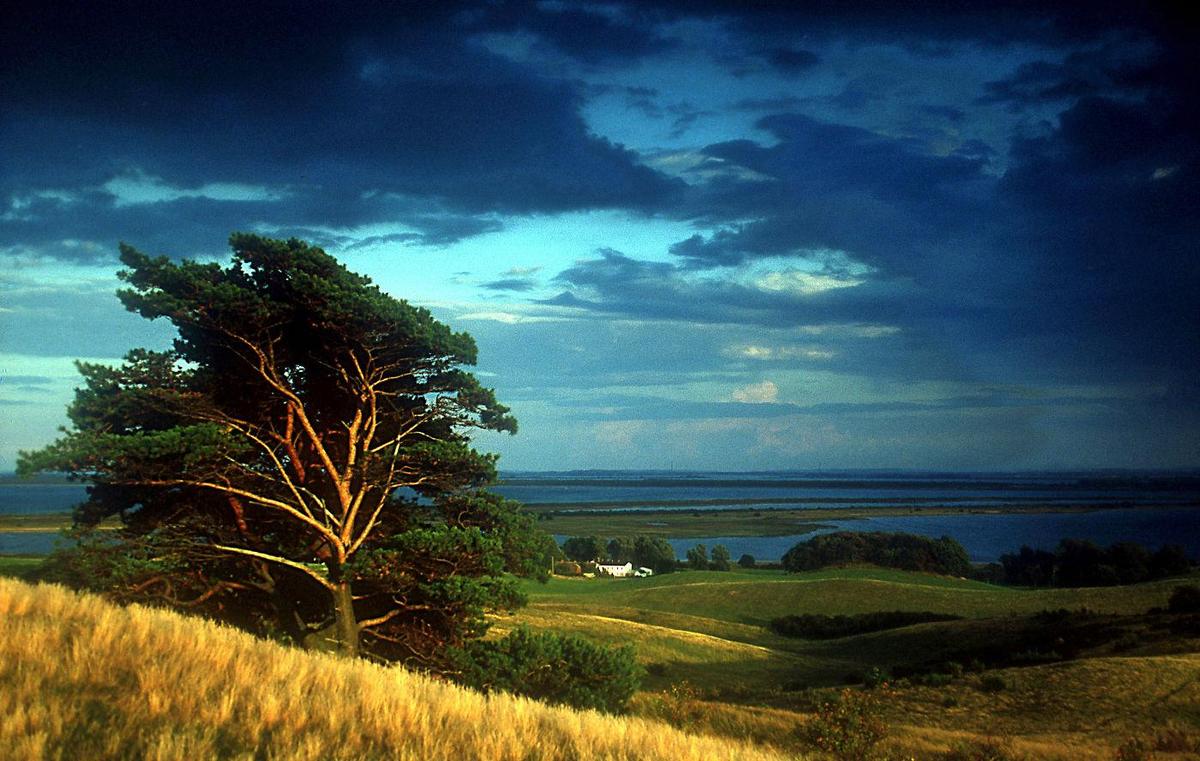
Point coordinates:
pixel 80 678
pixel 705 629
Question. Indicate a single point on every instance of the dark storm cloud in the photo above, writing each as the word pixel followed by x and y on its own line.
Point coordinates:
pixel 791 60
pixel 1112 70
pixel 784 60
pixel 928 26
pixel 613 34
pixel 625 407
pixel 1073 257
pixel 825 185
pixel 346 111
pixel 615 283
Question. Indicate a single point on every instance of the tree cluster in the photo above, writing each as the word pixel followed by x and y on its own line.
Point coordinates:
pixel 1080 563
pixel 651 552
pixel 698 558
pixel 905 551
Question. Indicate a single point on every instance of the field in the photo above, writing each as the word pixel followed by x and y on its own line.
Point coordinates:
pixel 715 669
pixel 714 666
pixel 80 678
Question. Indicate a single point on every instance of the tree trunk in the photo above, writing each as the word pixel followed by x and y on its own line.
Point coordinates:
pixel 345 625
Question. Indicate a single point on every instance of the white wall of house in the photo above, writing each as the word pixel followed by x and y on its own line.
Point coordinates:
pixel 615 570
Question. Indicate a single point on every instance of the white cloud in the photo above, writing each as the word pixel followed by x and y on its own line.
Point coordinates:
pixel 756 393
pixel 768 353
pixel 509 318
pixel 849 330
pixel 802 283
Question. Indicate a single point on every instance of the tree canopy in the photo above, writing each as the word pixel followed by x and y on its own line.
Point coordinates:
pixel 299 462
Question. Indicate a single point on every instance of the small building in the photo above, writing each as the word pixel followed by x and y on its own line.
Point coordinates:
pixel 611 569
pixel 643 571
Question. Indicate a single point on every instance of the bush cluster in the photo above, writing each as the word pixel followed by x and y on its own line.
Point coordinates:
pixel 848 728
pixel 1185 599
pixel 556 668
pixel 814 626
pixel 905 551
pixel 1080 563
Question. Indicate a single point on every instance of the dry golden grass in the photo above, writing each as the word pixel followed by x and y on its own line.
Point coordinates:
pixel 81 678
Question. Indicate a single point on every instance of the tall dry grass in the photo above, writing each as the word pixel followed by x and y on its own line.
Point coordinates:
pixel 81 678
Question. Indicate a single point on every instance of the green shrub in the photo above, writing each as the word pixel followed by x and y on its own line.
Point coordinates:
pixel 1185 599
pixel 992 683
pixel 813 626
pixel 890 550
pixel 556 668
pixel 747 561
pixel 847 728
pixel 876 677
pixel 936 679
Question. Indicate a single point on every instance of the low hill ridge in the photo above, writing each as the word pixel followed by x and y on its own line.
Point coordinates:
pixel 82 678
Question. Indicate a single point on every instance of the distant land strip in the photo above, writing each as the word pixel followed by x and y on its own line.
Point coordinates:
pixel 1143 483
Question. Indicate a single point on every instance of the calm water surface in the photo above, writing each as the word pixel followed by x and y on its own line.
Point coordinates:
pixel 1169 503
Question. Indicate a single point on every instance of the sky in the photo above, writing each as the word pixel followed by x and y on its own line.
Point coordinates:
pixel 690 236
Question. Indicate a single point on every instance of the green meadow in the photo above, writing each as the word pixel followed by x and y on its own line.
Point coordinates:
pixel 1113 673
pixel 714 665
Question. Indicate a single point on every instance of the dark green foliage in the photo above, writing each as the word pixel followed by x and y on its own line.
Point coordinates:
pixel 1029 568
pixel 992 683
pixel 697 558
pixel 1079 563
pixel 557 668
pixel 254 467
pixel 651 552
pixel 1169 560
pixel 584 548
pixel 812 626
pixel 1185 599
pixel 568 568
pixel 720 558
pixel 747 561
pixel 620 550
pixel 905 551
pixel 655 553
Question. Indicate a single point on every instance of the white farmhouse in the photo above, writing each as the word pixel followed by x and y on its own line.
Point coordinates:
pixel 605 569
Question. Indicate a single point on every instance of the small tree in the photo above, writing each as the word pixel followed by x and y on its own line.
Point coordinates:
pixel 697 558
pixel 655 553
pixel 298 462
pixel 584 548
pixel 747 561
pixel 620 550
pixel 720 558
